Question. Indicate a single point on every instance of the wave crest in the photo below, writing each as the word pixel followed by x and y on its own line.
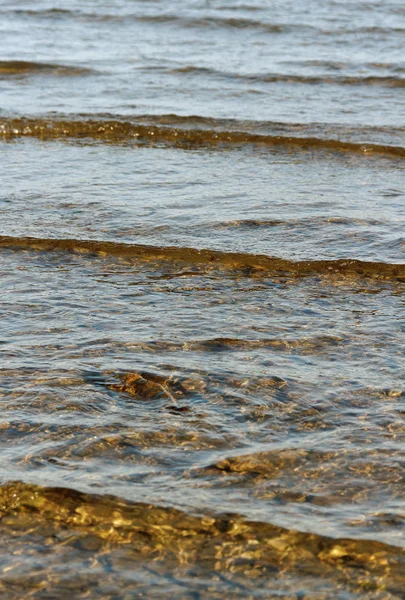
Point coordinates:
pixel 249 263
pixel 184 136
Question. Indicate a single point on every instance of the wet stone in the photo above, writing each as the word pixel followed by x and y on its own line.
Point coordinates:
pixel 147 387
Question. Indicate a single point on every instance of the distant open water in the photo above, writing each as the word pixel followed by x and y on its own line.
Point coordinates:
pixel 202 259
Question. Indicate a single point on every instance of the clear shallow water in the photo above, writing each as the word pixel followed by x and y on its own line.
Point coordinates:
pixel 273 202
pixel 206 389
pixel 202 317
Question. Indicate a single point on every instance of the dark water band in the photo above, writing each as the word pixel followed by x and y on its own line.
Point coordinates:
pixel 116 131
pixel 256 263
pixel 346 80
pixel 22 67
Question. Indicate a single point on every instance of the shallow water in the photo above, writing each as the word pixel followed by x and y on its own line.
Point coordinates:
pixel 202 264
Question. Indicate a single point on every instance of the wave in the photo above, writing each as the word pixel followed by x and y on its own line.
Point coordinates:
pixel 377 80
pixel 304 345
pixel 309 345
pixel 361 135
pixel 159 133
pixel 221 542
pixel 333 65
pixel 63 13
pixel 370 30
pixel 22 67
pixel 294 223
pixel 211 22
pixel 240 23
pixel 214 22
pixel 387 81
pixel 44 11
pixel 249 263
pixel 243 23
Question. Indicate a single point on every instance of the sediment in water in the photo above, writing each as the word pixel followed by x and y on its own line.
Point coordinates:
pixel 223 542
pixel 250 263
pixel 118 132
pixel 23 67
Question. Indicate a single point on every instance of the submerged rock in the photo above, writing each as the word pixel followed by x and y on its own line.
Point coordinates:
pixel 149 387
pixel 143 386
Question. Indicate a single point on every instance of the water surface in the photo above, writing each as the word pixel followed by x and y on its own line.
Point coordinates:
pixel 202 264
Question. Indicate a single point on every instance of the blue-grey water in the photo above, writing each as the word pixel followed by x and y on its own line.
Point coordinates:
pixel 202 259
